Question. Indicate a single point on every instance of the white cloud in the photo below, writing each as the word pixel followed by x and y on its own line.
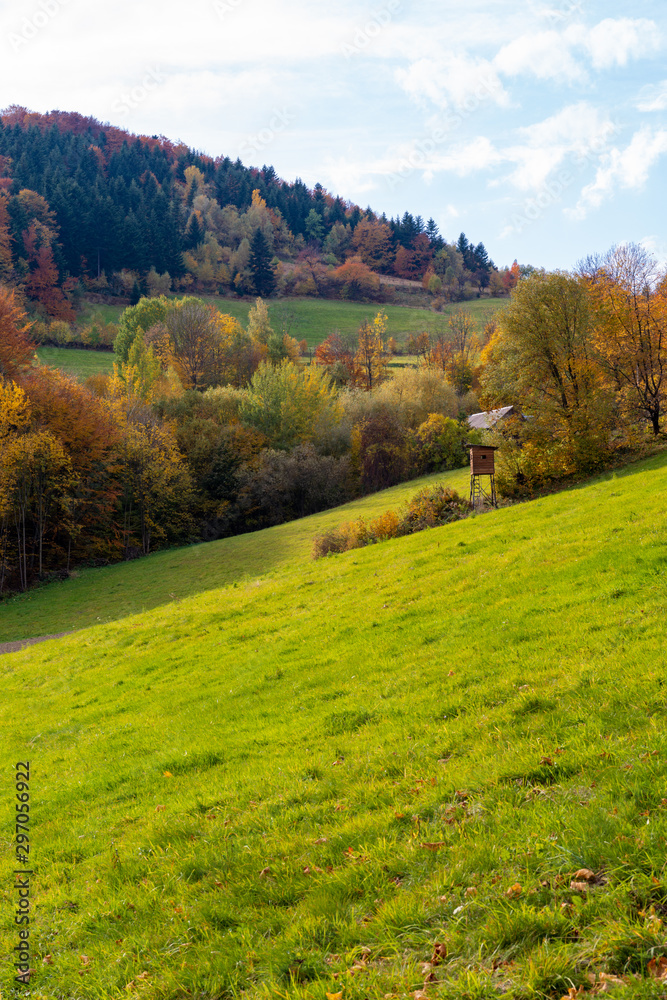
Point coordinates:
pixel 453 79
pixel 657 246
pixel 545 54
pixel 627 169
pixel 555 55
pixel 577 133
pixel 479 154
pixel 653 97
pixel 613 41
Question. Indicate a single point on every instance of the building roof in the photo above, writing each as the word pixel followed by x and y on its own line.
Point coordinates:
pixel 485 420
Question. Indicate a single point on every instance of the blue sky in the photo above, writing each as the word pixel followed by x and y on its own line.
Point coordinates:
pixel 539 128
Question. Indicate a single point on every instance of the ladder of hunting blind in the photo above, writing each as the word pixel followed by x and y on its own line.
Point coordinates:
pixel 478 494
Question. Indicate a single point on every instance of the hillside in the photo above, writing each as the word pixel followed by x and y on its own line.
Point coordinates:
pixel 86 207
pixel 432 765
pixel 311 320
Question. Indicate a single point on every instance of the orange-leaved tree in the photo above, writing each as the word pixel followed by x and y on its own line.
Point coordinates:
pixel 16 349
pixel 630 331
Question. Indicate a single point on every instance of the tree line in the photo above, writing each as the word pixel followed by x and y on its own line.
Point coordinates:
pixel 206 428
pixel 583 356
pixel 86 207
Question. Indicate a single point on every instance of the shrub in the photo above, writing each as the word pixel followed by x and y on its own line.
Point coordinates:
pixel 429 508
pixel 280 486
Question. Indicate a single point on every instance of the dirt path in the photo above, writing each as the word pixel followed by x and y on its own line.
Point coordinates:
pixel 13 647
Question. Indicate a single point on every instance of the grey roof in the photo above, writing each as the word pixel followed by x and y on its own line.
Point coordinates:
pixel 485 420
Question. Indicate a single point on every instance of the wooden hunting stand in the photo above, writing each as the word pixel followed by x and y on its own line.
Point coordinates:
pixel 482 463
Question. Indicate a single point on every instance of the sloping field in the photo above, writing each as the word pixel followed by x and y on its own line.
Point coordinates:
pixel 436 765
pixel 77 362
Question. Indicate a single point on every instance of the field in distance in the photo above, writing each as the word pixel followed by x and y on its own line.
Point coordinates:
pixel 80 363
pixel 311 320
pixel 434 764
pixel 314 319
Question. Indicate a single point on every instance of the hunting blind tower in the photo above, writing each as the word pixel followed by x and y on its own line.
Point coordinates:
pixel 482 463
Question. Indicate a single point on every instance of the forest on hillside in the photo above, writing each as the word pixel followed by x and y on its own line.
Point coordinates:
pixel 208 428
pixel 90 208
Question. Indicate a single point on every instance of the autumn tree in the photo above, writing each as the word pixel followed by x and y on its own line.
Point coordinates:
pixel 373 243
pixel 193 335
pixel 42 280
pixel 336 354
pixel 286 403
pixel 6 261
pixel 630 330
pixel 137 320
pixel 16 350
pixel 356 280
pixel 542 358
pixel 370 360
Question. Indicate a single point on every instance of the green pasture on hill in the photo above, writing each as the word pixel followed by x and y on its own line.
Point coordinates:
pixel 113 592
pixel 314 319
pixel 432 766
pixel 73 361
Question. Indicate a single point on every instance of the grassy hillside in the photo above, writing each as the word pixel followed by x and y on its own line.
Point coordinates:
pixel 94 595
pixel 314 319
pixel 311 320
pixel 436 764
pixel 76 362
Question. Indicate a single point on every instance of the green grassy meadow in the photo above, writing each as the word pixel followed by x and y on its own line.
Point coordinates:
pixel 311 320
pixel 80 363
pixel 434 767
pixel 315 319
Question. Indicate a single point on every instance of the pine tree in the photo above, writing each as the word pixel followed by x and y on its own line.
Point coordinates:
pixel 263 275
pixel 194 233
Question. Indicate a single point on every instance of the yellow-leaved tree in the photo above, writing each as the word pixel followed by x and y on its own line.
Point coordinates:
pixel 370 360
pixel 629 291
pixel 287 402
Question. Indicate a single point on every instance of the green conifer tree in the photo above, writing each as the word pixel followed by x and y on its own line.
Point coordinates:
pixel 263 275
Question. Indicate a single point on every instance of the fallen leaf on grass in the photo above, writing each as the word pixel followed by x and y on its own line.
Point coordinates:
pixel 514 891
pixel 657 968
pixel 471 891
pixel 167 774
pixel 144 975
pixel 84 960
pixel 334 996
pixel 47 960
pixel 265 871
pixel 439 953
pixel 585 875
pixel 160 809
pixel 435 845
pixel 579 886
pixel 320 840
pixel 547 760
